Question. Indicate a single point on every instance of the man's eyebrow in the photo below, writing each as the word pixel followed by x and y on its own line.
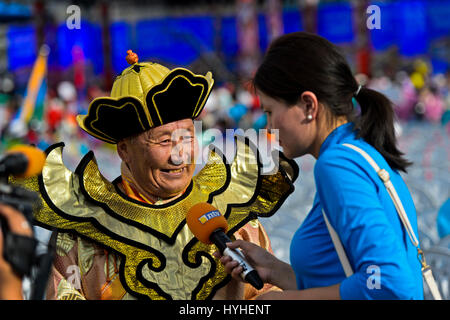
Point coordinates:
pixel 155 135
pixel 169 132
pixel 162 133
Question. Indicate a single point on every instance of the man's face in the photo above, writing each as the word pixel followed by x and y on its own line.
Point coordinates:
pixel 161 159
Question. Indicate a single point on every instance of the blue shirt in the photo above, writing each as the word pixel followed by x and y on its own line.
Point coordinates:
pixel 359 208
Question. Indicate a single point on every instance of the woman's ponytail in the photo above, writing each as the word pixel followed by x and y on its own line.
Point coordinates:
pixel 376 126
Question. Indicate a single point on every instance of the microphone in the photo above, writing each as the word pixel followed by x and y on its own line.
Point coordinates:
pixel 209 226
pixel 22 161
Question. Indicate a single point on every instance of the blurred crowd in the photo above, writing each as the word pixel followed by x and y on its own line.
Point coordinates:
pixel 418 94
pixel 57 121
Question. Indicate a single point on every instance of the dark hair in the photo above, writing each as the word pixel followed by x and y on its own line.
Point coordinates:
pixel 301 61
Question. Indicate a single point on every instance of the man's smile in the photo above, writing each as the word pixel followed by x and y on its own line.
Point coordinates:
pixel 174 171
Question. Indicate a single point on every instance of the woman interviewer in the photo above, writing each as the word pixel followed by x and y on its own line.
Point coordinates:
pixel 306 88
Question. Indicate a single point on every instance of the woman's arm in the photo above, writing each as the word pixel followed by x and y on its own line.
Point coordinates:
pixel 276 272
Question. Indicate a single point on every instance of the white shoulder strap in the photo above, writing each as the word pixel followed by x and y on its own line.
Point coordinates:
pixel 339 248
pixel 384 176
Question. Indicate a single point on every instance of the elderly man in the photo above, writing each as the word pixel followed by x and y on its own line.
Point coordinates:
pixel 128 238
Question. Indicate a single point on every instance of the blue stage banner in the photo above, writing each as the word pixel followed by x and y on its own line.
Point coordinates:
pixel 438 18
pixel 263 32
pixel 88 37
pixel 229 36
pixel 50 34
pixel 175 40
pixel 121 41
pixel 335 22
pixel 21 51
pixel 292 21
pixel 412 28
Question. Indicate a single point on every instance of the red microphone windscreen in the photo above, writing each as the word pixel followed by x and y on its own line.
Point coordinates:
pixel 203 219
pixel 36 159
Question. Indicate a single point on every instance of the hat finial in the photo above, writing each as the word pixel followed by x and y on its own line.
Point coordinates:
pixel 132 57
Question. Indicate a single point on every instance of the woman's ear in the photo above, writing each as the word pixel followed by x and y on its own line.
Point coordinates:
pixel 310 104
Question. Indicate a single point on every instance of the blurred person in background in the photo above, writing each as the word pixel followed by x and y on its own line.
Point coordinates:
pixel 128 239
pixel 433 105
pixel 443 219
pixel 314 113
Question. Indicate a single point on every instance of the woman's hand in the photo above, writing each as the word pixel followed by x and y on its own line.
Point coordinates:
pixel 10 281
pixel 270 269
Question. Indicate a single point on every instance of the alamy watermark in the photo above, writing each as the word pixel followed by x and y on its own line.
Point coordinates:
pixel 262 146
pixel 374 280
pixel 74 276
pixel 374 20
pixel 73 21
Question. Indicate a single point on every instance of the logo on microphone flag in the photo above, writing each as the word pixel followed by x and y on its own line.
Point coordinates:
pixel 208 216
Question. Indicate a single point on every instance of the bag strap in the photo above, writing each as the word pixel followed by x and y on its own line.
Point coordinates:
pixel 384 176
pixel 339 248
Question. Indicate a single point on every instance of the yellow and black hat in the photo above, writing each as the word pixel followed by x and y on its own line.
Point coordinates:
pixel 143 96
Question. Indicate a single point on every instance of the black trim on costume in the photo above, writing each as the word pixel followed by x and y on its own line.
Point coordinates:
pixel 53 147
pixel 104 230
pixel 293 165
pixel 197 264
pixel 149 284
